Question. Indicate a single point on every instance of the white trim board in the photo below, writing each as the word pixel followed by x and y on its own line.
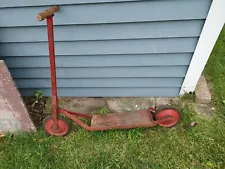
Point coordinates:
pixel 210 33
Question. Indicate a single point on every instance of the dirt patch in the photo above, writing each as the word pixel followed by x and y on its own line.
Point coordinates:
pixel 36 109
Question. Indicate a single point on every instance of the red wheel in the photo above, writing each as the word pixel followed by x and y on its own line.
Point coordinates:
pixel 167 117
pixel 62 129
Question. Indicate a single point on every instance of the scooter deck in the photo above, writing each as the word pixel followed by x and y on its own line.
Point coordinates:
pixel 122 120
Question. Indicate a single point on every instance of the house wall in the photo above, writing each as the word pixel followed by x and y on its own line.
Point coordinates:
pixel 103 48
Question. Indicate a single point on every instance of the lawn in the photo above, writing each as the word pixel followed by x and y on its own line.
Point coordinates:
pixel 201 146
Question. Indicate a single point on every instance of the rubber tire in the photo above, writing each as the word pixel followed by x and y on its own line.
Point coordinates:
pixel 176 115
pixel 63 130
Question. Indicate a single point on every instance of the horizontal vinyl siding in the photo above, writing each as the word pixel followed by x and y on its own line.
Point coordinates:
pixel 101 82
pixel 145 30
pixel 138 11
pixel 150 71
pixel 103 48
pixel 101 60
pixel 29 3
pixel 138 46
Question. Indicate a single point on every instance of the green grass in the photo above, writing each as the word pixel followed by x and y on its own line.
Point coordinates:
pixel 215 72
pixel 183 146
pixel 179 147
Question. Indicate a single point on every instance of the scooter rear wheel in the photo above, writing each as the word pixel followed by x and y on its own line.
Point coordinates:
pixel 167 116
pixel 62 129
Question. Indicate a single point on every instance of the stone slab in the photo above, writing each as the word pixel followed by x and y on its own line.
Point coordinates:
pixel 202 94
pixel 204 110
pixel 13 113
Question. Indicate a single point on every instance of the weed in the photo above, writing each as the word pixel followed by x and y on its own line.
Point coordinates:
pixel 103 110
pixel 38 96
pixel 189 97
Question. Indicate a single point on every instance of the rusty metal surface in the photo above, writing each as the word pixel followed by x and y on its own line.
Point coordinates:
pixel 13 114
pixel 122 120
pixel 51 47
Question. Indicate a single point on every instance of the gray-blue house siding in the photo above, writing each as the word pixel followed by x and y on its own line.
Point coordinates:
pixel 103 47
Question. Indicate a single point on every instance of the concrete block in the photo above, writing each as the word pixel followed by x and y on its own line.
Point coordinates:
pixel 129 104
pixel 163 101
pixel 81 105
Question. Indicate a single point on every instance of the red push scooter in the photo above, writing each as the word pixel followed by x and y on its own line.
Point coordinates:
pixel 57 126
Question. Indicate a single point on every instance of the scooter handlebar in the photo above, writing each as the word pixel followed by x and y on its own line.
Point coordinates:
pixel 48 12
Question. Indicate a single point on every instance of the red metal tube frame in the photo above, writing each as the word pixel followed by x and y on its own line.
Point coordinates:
pixel 76 120
pixel 55 107
pixel 52 68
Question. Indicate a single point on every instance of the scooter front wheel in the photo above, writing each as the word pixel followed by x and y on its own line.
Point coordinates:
pixel 167 116
pixel 62 129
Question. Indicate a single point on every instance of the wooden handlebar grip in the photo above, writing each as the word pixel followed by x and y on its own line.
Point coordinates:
pixel 41 16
